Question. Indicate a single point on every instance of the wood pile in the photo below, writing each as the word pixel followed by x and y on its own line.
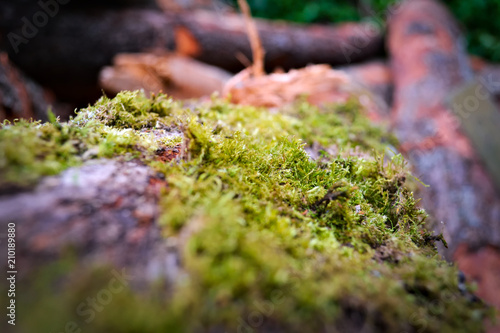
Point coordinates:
pixel 177 76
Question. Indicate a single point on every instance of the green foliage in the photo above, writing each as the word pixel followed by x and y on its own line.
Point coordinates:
pixel 270 239
pixel 307 11
pixel 478 17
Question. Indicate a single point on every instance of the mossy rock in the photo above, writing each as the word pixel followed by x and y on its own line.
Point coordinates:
pixel 270 239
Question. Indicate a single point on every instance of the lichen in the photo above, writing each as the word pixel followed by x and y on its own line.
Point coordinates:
pixel 270 239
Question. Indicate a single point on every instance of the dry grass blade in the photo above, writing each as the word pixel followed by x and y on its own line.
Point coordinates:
pixel 255 42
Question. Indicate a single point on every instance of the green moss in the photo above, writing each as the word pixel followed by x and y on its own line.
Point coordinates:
pixel 118 128
pixel 269 238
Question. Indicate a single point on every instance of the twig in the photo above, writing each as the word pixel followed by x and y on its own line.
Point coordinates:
pixel 255 42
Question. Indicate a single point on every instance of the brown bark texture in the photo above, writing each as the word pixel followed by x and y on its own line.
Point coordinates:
pixel 222 41
pixel 429 62
pixel 103 212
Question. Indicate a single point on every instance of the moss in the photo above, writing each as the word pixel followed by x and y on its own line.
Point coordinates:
pixel 269 238
pixel 118 128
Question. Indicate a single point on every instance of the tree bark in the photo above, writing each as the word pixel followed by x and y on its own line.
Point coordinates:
pixel 221 40
pixel 429 62
pixel 67 54
pixel 104 211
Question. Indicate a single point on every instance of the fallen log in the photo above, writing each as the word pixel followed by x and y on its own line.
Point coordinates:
pixel 429 62
pixel 243 196
pixel 177 76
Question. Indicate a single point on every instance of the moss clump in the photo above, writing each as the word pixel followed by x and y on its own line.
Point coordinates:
pixel 270 239
pixel 122 129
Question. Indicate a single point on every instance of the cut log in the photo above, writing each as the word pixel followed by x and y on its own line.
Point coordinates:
pixel 177 76
pixel 429 62
pixel 220 40
pixel 71 69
